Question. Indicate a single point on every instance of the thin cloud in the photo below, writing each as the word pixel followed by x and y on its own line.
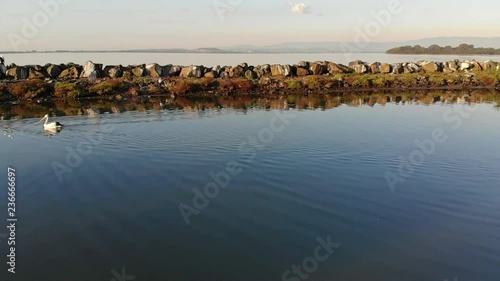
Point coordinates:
pixel 301 8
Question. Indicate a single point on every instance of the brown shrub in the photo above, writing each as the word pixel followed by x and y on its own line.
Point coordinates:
pixel 29 89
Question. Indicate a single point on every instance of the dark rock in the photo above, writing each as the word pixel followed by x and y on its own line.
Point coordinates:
pixel 18 72
pixel 53 71
pixel 154 70
pixel 72 72
pixel 318 69
pixel 250 75
pixel 375 67
pixel 237 71
pixel 113 71
pixel 334 68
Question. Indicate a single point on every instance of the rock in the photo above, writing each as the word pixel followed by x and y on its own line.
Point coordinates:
pixel 385 68
pixel 193 71
pixel 317 69
pixel 91 69
pixel 476 66
pixel 250 75
pixel 113 71
pixel 72 72
pixel 304 64
pixel 398 68
pixel 3 70
pixel 154 70
pixel 465 66
pixel 281 70
pixel 302 71
pixel 53 71
pixel 210 74
pixel 359 68
pixel 139 70
pixel 356 62
pixel 334 68
pixel 489 64
pixel 37 73
pixel 410 67
pixel 430 67
pixel 451 66
pixel 237 71
pixel 263 70
pixel 244 65
pixel 216 70
pixel 375 67
pixel 172 70
pixel 18 72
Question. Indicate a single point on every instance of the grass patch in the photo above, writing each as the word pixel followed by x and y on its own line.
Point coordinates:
pixel 108 87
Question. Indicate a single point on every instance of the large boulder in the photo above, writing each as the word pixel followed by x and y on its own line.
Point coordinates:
pixel 3 69
pixel 411 67
pixel 318 69
pixel 302 71
pixel 430 67
pixel 476 66
pixel 18 72
pixel 281 70
pixel 193 71
pixel 334 68
pixel 356 62
pixel 72 72
pixel 237 71
pixel 154 70
pixel 113 71
pixel 171 70
pixel 398 69
pixel 139 70
pixel 385 68
pixel 37 72
pixel 263 70
pixel 451 66
pixel 465 66
pixel 375 67
pixel 91 70
pixel 304 64
pixel 360 68
pixel 53 70
pixel 250 75
pixel 489 64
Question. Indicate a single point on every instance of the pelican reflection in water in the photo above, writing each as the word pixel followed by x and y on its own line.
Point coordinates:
pixel 51 128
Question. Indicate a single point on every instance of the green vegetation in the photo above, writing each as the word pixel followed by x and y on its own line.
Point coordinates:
pixel 108 87
pixel 463 49
pixel 69 90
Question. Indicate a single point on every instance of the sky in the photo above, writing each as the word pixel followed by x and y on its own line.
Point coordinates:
pixel 46 25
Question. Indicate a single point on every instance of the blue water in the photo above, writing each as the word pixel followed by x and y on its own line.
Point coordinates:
pixel 317 175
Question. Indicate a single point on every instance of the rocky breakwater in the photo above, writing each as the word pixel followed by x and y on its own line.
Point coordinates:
pixel 92 79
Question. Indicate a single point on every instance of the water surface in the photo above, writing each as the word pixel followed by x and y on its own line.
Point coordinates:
pixel 320 175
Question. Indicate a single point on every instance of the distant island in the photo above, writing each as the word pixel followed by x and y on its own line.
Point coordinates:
pixel 462 49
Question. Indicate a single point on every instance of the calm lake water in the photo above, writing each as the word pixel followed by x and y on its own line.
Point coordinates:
pixel 304 175
pixel 221 59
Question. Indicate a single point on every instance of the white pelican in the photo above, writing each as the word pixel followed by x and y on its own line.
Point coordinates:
pixel 51 125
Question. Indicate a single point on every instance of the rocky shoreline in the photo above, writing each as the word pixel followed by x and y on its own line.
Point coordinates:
pixel 91 80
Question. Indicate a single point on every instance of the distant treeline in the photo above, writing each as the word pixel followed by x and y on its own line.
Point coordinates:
pixel 463 49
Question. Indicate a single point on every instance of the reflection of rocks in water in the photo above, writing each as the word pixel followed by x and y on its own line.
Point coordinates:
pixel 93 108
